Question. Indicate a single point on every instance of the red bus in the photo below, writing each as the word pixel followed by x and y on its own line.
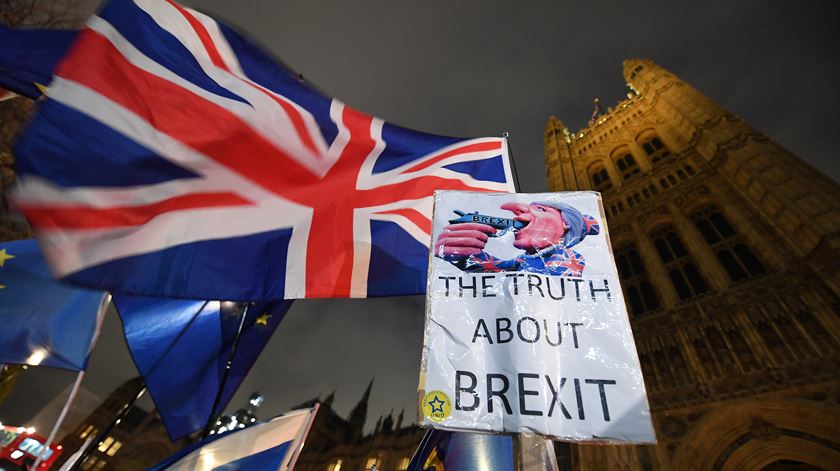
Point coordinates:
pixel 20 447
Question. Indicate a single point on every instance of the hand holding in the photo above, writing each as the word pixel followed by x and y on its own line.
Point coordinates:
pixel 462 240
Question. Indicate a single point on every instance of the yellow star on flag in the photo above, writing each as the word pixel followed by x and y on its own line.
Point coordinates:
pixel 5 256
pixel 263 319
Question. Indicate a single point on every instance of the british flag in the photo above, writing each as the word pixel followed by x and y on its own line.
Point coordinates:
pixel 566 262
pixel 173 158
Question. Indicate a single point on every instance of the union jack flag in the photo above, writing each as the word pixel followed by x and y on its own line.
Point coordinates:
pixel 485 263
pixel 566 262
pixel 173 158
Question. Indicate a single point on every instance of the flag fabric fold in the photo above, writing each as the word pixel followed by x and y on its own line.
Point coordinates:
pixel 442 450
pixel 28 57
pixel 173 158
pixel 44 322
pixel 181 349
pixel 271 445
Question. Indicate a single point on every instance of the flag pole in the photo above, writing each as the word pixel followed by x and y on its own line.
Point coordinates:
pixel 100 317
pixel 301 437
pixel 225 374
pixel 516 187
pixel 87 449
pixel 104 433
pixel 70 398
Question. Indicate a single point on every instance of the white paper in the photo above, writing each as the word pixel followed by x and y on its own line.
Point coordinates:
pixel 553 321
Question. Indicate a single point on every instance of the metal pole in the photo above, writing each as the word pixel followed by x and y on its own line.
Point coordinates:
pixel 516 186
pixel 61 416
pixel 225 374
pixel 102 435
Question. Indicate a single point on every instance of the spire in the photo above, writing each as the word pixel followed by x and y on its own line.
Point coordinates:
pixel 400 419
pixel 378 426
pixel 388 423
pixel 596 111
pixel 328 401
pixel 358 416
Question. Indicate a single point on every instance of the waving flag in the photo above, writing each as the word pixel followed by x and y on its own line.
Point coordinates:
pixel 271 445
pixel 171 149
pixel 28 57
pixel 44 322
pixel 181 348
pixel 442 450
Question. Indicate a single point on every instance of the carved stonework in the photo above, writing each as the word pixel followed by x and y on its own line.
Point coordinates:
pixel 772 333
pixel 673 427
pixel 764 430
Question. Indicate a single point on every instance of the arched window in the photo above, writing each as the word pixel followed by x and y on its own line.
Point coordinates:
pixel 678 263
pixel 626 163
pixel 600 179
pixel 637 287
pixel 653 147
pixel 738 260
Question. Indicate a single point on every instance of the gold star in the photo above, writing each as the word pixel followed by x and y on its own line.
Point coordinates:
pixel 2 286
pixel 263 319
pixel 5 256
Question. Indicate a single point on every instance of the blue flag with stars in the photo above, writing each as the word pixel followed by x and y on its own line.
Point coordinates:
pixel 44 322
pixel 28 57
pixel 181 347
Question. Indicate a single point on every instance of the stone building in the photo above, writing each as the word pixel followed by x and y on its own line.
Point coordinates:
pixel 333 443
pixel 137 442
pixel 728 250
pixel 337 444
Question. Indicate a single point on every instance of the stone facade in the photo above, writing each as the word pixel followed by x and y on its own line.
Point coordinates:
pixel 728 248
pixel 337 444
pixel 136 443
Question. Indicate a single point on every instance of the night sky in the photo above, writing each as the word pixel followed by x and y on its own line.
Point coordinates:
pixel 471 68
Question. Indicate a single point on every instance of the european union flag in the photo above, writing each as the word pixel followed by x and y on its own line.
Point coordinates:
pixel 43 321
pixel 442 450
pixel 181 348
pixel 28 57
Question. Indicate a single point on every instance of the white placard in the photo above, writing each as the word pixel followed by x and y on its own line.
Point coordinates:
pixel 529 333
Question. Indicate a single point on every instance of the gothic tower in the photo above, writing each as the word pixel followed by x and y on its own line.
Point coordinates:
pixel 728 247
pixel 358 416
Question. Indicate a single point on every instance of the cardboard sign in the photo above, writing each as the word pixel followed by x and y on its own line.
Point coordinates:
pixel 526 326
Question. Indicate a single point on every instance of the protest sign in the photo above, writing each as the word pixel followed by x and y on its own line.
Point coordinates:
pixel 526 326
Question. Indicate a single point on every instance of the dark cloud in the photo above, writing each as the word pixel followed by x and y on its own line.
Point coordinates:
pixel 474 68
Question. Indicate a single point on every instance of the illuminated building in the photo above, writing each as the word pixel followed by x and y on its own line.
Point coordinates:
pixel 728 249
pixel 337 444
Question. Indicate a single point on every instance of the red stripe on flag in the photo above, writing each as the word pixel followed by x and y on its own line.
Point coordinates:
pixel 216 57
pixel 203 35
pixel 330 248
pixel 124 216
pixel 414 216
pixel 187 117
pixel 297 122
pixel 416 188
pixel 478 147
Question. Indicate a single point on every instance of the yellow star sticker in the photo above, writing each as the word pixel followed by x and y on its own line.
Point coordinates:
pixel 5 256
pixel 263 319
pixel 2 286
